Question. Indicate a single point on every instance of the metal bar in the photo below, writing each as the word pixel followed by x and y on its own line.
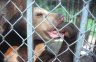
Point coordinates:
pixel 81 34
pixel 29 31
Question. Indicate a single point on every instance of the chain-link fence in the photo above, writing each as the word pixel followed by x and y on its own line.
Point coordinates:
pixel 47 31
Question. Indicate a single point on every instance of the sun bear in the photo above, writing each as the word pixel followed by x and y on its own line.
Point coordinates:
pixel 44 23
pixel 66 50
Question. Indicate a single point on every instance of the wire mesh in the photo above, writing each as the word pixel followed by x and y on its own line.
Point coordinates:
pixel 55 26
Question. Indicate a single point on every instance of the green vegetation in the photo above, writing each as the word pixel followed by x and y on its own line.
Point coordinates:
pixel 71 9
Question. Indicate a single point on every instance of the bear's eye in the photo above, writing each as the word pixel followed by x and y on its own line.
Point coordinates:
pixel 39 14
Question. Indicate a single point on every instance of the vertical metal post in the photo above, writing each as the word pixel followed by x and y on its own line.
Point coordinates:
pixel 29 30
pixel 82 30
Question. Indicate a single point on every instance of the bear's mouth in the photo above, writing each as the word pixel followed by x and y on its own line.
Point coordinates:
pixel 55 34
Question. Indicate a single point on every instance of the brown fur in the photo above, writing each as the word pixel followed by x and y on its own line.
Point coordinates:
pixel 39 15
pixel 67 56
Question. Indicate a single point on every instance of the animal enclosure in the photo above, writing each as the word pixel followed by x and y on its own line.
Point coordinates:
pixel 47 30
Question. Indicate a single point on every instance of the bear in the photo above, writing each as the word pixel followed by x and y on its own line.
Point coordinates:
pixel 70 33
pixel 65 53
pixel 15 30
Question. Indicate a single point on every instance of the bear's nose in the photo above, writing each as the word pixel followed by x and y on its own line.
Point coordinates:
pixel 60 17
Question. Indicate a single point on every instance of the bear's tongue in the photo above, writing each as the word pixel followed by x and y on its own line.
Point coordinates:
pixel 54 34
